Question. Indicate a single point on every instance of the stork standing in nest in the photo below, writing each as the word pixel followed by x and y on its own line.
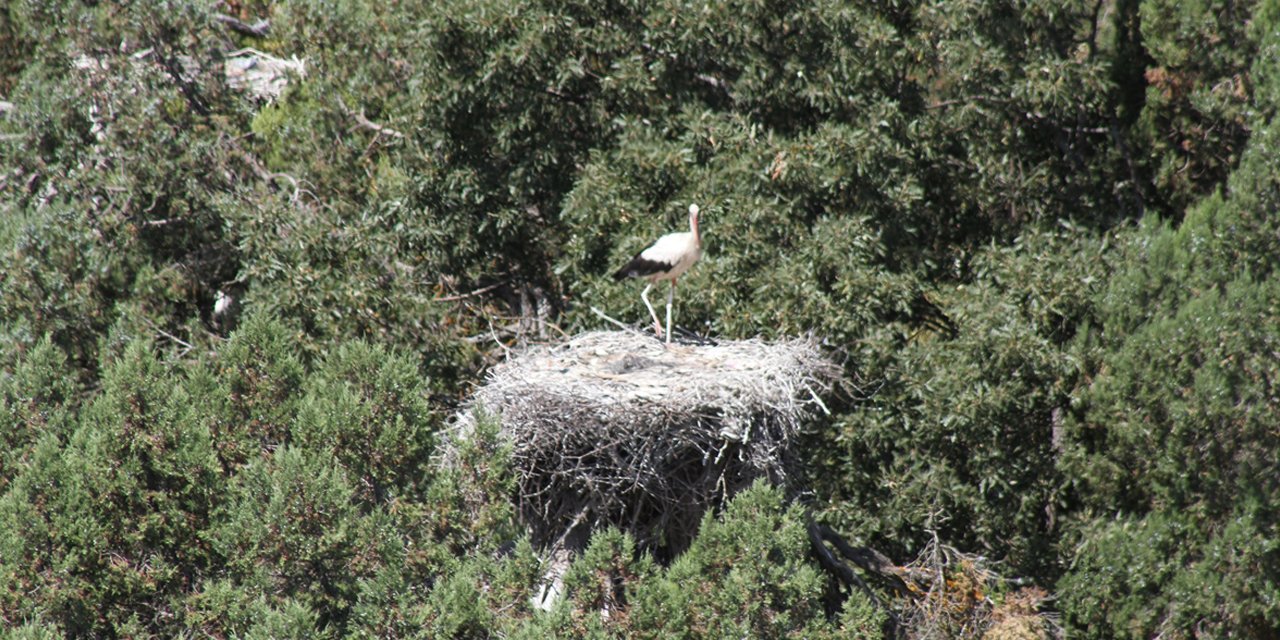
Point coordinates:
pixel 666 259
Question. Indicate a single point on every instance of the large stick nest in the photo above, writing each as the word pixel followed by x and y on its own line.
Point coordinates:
pixel 613 428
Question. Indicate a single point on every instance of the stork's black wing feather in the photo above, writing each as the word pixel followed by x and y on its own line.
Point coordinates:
pixel 640 267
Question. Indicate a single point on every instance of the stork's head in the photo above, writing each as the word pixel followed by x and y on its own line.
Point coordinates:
pixel 693 212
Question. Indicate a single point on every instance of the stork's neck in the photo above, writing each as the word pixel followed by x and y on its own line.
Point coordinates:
pixel 693 225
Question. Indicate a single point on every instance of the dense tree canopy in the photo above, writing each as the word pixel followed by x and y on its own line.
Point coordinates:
pixel 1041 236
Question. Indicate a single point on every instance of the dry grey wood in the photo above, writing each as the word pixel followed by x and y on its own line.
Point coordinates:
pixel 259 29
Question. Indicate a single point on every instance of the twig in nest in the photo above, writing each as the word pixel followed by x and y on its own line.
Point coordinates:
pixel 822 405
pixel 493 334
pixel 617 323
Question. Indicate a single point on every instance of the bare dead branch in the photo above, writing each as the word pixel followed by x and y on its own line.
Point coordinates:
pixel 472 294
pixel 258 29
pixel 176 339
pixel 866 558
pixel 953 590
pixel 978 98
pixel 269 176
pixel 834 565
pixel 363 122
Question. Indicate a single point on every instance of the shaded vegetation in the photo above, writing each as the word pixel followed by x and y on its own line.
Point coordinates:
pixel 1041 236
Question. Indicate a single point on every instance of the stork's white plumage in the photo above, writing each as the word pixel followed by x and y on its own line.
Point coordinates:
pixel 666 259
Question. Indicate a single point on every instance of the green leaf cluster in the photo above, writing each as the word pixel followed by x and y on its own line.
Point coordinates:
pixel 1040 236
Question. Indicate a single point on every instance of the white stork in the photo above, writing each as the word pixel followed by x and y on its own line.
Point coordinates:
pixel 666 259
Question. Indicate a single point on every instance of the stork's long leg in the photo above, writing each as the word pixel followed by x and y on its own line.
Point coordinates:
pixel 644 295
pixel 671 294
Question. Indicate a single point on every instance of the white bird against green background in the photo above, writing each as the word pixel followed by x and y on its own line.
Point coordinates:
pixel 666 259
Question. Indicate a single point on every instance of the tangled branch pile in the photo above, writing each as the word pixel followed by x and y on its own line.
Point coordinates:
pixel 611 428
pixel 958 595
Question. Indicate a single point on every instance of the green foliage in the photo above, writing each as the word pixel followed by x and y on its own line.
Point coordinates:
pixel 744 575
pixel 368 408
pixel 1017 115
pixel 1040 235
pixel 1138 576
pixel 1196 118
pixel 470 498
pixel 117 164
pixel 107 526
pixel 34 630
pixel 960 433
pixel 176 489
pixel 1178 431
pixel 292 620
pixel 291 529
pixel 339 274
pixel 255 392
pixel 37 399
pixel 57 282
pixel 15 49
pixel 1170 445
pixel 1188 392
pixel 481 597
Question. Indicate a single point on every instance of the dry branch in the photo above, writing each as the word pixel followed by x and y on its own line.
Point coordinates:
pixel 363 121
pixel 866 558
pixel 258 29
pixel 952 598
